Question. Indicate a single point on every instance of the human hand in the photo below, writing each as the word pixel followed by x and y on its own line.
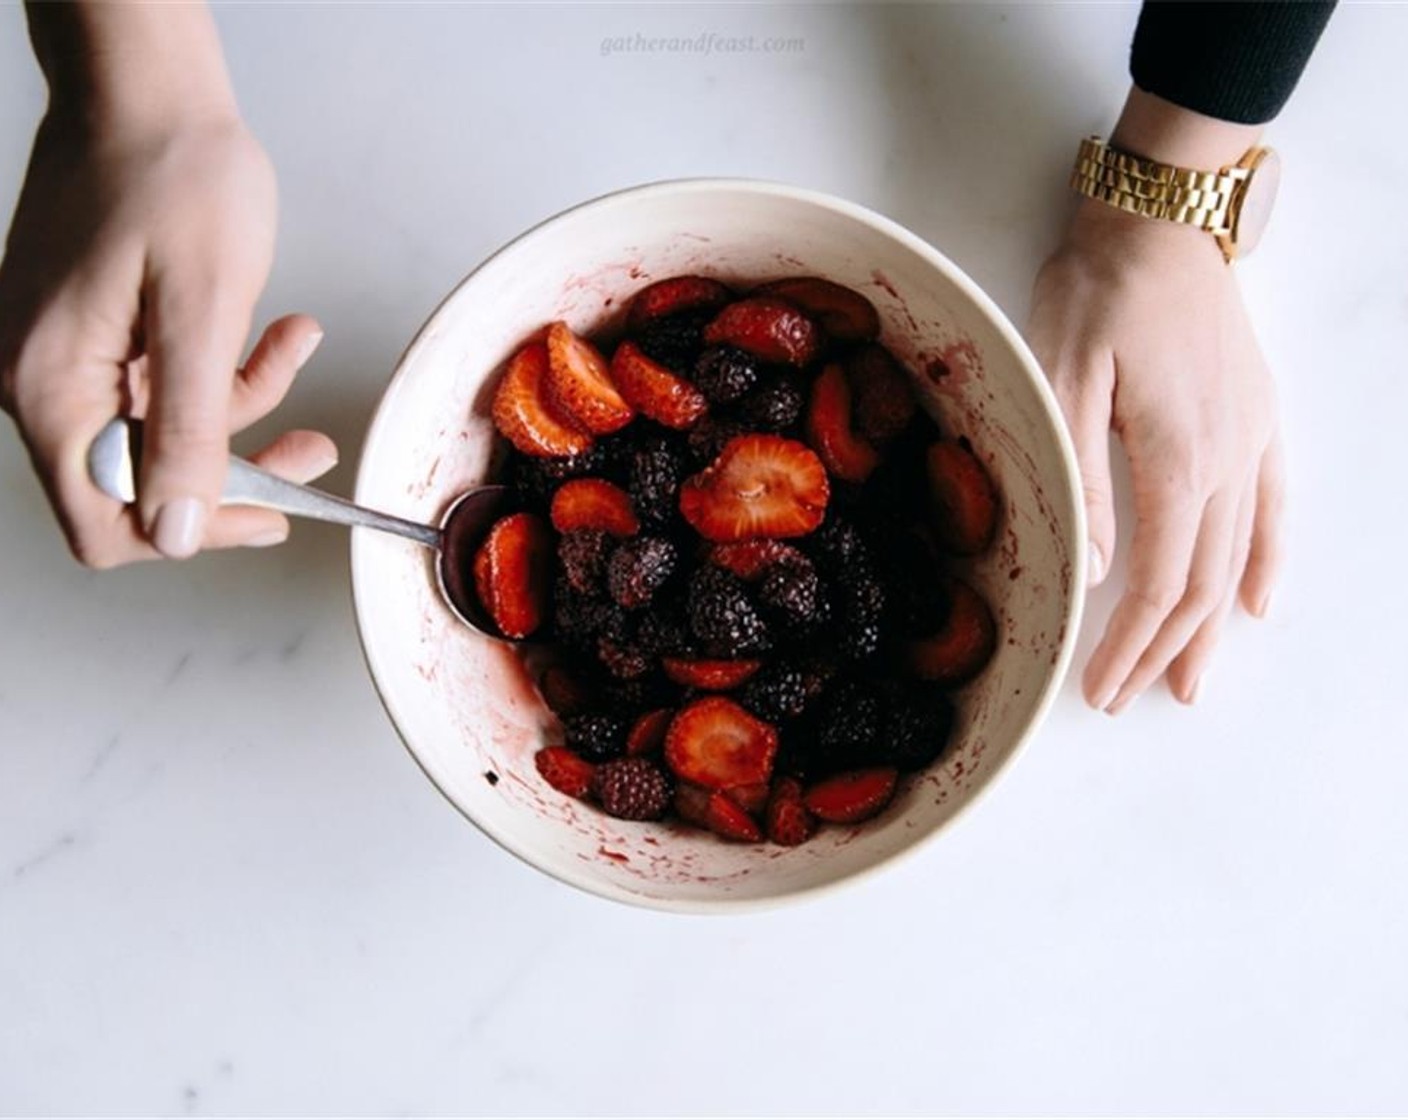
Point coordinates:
pixel 142 239
pixel 1141 327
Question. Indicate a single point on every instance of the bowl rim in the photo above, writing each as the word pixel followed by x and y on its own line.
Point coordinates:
pixel 998 319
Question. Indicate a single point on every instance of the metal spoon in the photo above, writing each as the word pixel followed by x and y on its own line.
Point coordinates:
pixel 112 456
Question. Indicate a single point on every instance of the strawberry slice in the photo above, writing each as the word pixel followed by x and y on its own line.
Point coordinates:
pixel 654 391
pixel 692 803
pixel 678 293
pixel 789 822
pixel 712 676
pixel 563 691
pixel 726 818
pixel 748 560
pixel 526 418
pixel 752 799
pixel 845 454
pixel 579 384
pixel 566 771
pixel 593 503
pixel 964 498
pixel 647 734
pixel 771 329
pixel 882 392
pixel 965 644
pixel 841 312
pixel 511 573
pixel 853 796
pixel 716 744
pixel 759 486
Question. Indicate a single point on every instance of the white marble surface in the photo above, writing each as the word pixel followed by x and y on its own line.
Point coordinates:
pixel 225 887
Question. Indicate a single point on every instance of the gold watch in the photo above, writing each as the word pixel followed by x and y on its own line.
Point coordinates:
pixel 1232 203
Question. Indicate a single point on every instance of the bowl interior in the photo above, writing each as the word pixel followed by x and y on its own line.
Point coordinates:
pixel 467 709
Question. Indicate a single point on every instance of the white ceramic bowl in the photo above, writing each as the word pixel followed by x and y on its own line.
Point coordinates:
pixel 463 705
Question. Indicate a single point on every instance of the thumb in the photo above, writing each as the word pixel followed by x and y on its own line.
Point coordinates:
pixel 194 334
pixel 1087 400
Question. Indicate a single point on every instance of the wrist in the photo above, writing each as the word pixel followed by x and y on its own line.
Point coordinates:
pixel 118 70
pixel 1152 128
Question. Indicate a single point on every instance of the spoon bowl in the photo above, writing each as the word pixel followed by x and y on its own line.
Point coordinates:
pixel 117 449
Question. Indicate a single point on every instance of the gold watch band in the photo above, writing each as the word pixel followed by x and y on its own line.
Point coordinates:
pixel 1157 190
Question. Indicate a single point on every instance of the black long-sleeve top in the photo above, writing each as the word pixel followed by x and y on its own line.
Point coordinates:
pixel 1233 60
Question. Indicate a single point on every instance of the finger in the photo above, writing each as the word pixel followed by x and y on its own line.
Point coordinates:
pixel 264 379
pixel 1264 557
pixel 1186 671
pixel 299 456
pixel 1206 588
pixel 195 331
pixel 1166 528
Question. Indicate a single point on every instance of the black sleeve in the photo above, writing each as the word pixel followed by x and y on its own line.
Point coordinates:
pixel 1237 61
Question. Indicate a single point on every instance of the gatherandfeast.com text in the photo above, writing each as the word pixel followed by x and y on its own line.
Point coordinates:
pixel 704 44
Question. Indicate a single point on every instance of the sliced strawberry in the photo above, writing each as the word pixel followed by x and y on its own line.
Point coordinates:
pixel 965 644
pixel 647 734
pixel 771 329
pixel 593 503
pixel 748 560
pixel 512 573
pixel 526 418
pixel 725 817
pixel 579 384
pixel 712 676
pixel 882 392
pixel 563 691
pixel 566 771
pixel 716 744
pixel 789 821
pixel 752 799
pixel 856 795
pixel 678 293
pixel 841 312
pixel 964 498
pixel 654 391
pixel 759 486
pixel 845 454
pixel 692 803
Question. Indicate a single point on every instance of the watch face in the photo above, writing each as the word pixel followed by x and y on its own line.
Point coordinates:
pixel 1257 200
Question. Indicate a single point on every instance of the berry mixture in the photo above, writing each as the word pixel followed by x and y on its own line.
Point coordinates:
pixel 732 532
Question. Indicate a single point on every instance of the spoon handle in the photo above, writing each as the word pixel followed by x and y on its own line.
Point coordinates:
pixel 118 446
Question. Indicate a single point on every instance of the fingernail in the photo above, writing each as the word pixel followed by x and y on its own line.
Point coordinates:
pixel 1264 605
pixel 267 540
pixel 178 526
pixel 1103 704
pixel 1192 697
pixel 309 345
pixel 1116 709
pixel 1097 565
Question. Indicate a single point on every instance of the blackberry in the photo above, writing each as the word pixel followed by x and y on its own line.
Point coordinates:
pixel 538 479
pixel 638 569
pixel 722 617
pixel 917 727
pixel 665 633
pixel 774 406
pixel 596 736
pixel 622 657
pixel 860 605
pixel 634 789
pixel 776 693
pixel 580 618
pixel 708 437
pixel 791 594
pixel 724 373
pixel 839 548
pixel 675 340
pixel 654 480
pixel 582 556
pixel 850 719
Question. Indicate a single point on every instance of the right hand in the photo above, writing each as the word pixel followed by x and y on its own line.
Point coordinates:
pixel 127 288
